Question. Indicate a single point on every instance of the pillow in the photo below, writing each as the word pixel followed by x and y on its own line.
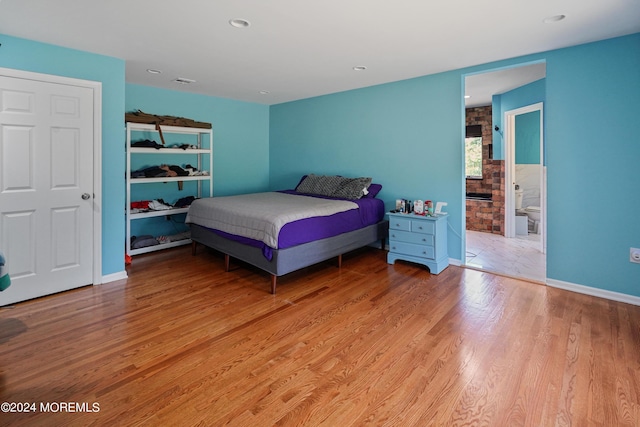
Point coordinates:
pixel 352 188
pixel 335 186
pixel 300 182
pixel 373 189
pixel 319 184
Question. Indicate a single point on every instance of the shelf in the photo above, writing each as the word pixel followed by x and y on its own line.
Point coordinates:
pixel 167 129
pixel 150 214
pixel 170 179
pixel 151 150
pixel 202 160
pixel 153 248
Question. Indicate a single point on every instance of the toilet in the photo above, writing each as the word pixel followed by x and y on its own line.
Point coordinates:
pixel 532 213
pixel 522 219
pixel 519 196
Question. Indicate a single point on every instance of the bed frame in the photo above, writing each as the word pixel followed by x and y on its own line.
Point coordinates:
pixel 290 259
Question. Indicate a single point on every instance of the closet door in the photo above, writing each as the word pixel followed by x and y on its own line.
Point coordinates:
pixel 46 186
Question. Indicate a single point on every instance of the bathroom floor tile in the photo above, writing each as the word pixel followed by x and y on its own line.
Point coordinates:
pixel 519 256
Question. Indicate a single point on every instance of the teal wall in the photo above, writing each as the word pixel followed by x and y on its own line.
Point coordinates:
pixel 593 153
pixel 408 136
pixel 528 138
pixel 43 58
pixel 523 96
pixel 240 129
pixel 405 135
pixel 240 148
pixel 240 133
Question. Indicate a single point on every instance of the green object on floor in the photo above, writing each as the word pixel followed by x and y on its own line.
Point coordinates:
pixel 5 280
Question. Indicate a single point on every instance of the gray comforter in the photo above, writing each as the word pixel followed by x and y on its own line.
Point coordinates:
pixel 260 216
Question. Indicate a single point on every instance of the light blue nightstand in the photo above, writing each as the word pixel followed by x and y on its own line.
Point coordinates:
pixel 419 239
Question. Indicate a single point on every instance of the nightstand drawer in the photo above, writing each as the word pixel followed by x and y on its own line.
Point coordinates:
pixel 426 227
pixel 412 249
pixel 396 223
pixel 409 237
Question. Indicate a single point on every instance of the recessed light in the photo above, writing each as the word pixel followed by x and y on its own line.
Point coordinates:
pixel 239 23
pixel 359 68
pixel 184 81
pixel 152 71
pixel 467 96
pixel 264 92
pixel 552 19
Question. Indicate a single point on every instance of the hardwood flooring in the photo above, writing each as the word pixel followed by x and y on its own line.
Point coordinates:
pixel 181 342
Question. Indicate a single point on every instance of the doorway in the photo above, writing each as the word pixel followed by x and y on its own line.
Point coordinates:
pixel 488 248
pixel 525 172
pixel 50 184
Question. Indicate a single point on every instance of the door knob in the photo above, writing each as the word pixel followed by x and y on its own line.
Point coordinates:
pixel 86 196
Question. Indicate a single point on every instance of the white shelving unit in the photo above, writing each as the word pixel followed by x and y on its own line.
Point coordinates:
pixel 204 154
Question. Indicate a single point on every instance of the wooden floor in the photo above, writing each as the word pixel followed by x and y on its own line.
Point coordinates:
pixel 181 342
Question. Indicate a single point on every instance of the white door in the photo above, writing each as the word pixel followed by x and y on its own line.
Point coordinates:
pixel 46 186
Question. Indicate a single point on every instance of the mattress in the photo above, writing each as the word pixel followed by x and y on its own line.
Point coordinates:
pixel 369 211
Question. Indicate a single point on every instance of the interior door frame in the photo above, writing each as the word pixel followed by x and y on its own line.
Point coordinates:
pixel 510 173
pixel 96 87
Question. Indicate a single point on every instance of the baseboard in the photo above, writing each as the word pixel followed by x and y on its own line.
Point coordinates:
pixel 601 293
pixel 456 262
pixel 115 276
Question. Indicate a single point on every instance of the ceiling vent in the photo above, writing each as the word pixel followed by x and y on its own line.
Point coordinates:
pixel 184 81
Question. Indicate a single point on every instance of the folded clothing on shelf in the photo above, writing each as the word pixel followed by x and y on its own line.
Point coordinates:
pixel 159 205
pixel 138 242
pixel 174 237
pixel 161 171
pixel 184 202
pixel 147 144
pixel 144 204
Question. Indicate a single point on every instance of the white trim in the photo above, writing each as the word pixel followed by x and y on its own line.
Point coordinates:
pixel 97 152
pixel 97 181
pixel 509 174
pixel 456 262
pixel 600 293
pixel 114 276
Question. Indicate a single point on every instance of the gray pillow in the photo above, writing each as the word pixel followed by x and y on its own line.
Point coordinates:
pixel 352 188
pixel 319 184
pixel 334 186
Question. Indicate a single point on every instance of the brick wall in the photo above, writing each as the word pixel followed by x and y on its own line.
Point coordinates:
pixel 486 216
pixel 480 215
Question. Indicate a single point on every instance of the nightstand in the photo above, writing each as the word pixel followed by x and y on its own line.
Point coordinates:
pixel 419 239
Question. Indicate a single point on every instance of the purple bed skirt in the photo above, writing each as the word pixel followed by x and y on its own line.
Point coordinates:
pixel 370 211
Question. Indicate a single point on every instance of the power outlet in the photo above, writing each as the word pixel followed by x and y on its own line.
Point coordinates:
pixel 634 255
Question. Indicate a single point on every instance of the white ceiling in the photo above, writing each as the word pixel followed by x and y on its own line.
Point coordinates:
pixel 296 49
pixel 481 87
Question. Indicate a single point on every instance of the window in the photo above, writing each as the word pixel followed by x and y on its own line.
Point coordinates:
pixel 473 152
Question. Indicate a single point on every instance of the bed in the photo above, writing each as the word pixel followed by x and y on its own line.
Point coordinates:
pixel 283 231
